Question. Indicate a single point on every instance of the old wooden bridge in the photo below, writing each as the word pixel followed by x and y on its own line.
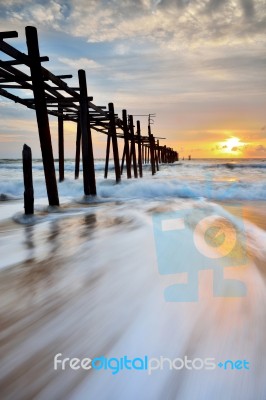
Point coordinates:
pixel 52 95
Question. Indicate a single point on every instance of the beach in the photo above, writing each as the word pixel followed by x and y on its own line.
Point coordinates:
pixel 92 278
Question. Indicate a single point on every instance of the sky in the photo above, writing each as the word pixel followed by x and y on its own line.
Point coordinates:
pixel 199 65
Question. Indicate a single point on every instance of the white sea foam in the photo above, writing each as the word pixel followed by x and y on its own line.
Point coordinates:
pixel 206 178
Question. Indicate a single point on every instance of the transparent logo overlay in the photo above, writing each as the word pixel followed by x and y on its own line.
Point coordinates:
pixel 189 240
pixel 147 364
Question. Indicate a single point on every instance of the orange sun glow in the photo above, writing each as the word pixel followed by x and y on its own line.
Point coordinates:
pixel 231 146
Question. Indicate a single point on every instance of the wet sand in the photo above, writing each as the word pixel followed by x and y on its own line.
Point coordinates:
pixel 88 285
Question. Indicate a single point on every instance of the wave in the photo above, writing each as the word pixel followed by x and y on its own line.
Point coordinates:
pixel 69 166
pixel 145 189
pixel 161 189
pixel 236 165
pixel 8 196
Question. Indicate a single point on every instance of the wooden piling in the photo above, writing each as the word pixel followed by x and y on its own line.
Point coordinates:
pixel 28 185
pixel 107 154
pixel 77 158
pixel 152 142
pixel 114 142
pixel 126 139
pixel 139 149
pixel 159 152
pixel 164 154
pixel 42 116
pixel 145 154
pixel 133 149
pixel 142 153
pixel 123 161
pixel 61 145
pixel 156 155
pixel 151 138
pixel 89 182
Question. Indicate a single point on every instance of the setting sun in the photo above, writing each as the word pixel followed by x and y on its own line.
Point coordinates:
pixel 233 143
pixel 231 146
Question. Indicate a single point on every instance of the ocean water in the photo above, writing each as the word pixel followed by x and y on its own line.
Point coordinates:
pixel 169 267
pixel 213 179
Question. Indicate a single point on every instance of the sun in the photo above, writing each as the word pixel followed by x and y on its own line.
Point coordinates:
pixel 232 143
pixel 232 146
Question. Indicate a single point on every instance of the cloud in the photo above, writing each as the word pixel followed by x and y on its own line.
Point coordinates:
pixel 80 63
pixel 215 5
pixel 261 149
pixel 166 4
pixel 196 149
pixel 37 13
pixel 235 148
pixel 248 8
pixel 170 23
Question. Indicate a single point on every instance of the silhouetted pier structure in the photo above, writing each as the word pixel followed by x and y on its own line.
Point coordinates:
pixel 53 96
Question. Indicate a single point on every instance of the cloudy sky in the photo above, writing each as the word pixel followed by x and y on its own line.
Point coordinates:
pixel 198 64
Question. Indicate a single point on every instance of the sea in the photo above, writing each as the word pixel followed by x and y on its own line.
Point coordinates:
pixel 158 282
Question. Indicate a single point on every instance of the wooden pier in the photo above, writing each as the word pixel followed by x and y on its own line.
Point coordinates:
pixel 51 95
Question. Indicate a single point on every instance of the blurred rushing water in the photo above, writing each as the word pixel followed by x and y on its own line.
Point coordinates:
pixel 84 281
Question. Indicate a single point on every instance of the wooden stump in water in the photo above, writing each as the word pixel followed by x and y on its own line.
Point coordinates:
pixel 28 185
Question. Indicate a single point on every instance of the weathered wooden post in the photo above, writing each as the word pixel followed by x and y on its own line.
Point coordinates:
pixel 28 185
pixel 145 154
pixel 89 182
pixel 151 138
pixel 77 158
pixel 107 154
pixel 133 149
pixel 164 154
pixel 156 155
pixel 159 152
pixel 114 142
pixel 152 142
pixel 42 115
pixel 61 144
pixel 123 160
pixel 139 149
pixel 126 138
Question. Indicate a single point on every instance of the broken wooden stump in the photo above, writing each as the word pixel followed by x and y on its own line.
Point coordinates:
pixel 28 184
